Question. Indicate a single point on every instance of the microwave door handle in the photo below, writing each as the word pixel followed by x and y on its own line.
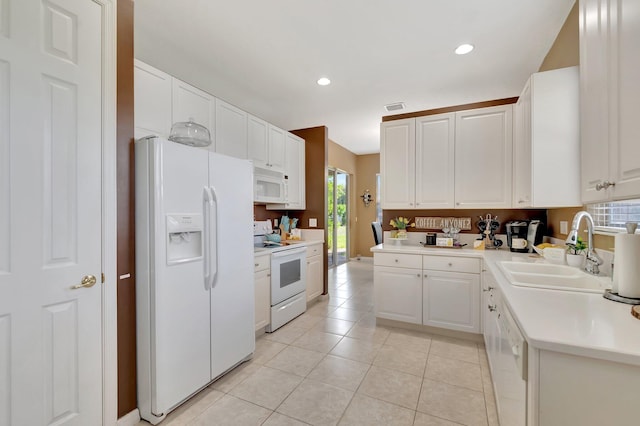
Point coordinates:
pixel 207 201
pixel 214 239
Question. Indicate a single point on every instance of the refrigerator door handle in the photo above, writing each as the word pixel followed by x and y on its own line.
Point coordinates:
pixel 214 228
pixel 207 202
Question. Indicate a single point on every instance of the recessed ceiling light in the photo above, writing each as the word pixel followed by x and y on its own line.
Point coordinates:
pixel 324 81
pixel 463 49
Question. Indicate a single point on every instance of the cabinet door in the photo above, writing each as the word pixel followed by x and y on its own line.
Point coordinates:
pixel 152 90
pixel 276 148
pixel 397 164
pixel 522 149
pixel 451 300
pixel 257 136
pixel 314 277
pixel 398 294
pixel 484 146
pixel 594 98
pixel 435 135
pixel 625 87
pixel 262 284
pixel 191 104
pixel 231 130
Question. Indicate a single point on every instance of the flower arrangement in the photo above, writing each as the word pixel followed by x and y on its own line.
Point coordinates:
pixel 577 248
pixel 401 223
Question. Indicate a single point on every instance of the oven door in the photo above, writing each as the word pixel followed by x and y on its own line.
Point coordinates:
pixel 288 274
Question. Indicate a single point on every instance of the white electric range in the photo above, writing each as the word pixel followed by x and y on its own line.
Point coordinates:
pixel 288 275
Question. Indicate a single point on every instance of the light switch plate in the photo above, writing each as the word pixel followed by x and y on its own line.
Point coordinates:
pixel 564 227
pixel 313 222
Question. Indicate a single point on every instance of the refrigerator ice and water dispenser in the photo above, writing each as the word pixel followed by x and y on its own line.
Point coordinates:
pixel 184 238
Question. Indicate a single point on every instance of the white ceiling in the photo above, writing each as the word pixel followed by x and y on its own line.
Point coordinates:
pixel 265 56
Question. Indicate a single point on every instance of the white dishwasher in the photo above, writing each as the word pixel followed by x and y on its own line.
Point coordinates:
pixel 511 384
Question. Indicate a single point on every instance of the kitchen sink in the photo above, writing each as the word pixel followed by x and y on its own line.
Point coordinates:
pixel 553 277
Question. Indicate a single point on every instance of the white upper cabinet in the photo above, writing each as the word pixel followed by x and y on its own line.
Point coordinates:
pixel 397 163
pixel 454 160
pixel 276 144
pixel 610 89
pixel 231 130
pixel 435 136
pixel 192 104
pixel 546 169
pixel 266 144
pixel 483 157
pixel 294 169
pixel 152 91
pixel 257 135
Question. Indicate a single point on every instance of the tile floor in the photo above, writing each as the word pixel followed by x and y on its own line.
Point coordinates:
pixel 333 365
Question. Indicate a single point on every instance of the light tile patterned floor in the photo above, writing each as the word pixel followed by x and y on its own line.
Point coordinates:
pixel 334 366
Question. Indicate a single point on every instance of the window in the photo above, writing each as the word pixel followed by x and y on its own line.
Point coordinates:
pixel 612 216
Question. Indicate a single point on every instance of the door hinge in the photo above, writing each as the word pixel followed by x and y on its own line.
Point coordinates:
pixel 103 278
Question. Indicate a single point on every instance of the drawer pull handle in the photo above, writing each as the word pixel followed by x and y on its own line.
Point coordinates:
pixel 488 289
pixel 492 308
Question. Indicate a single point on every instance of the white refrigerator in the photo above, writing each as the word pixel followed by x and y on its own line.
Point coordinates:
pixel 194 266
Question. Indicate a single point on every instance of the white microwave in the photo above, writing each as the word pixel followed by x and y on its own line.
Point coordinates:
pixel 269 186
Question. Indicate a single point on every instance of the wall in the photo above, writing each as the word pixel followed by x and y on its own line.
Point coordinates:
pixel 345 161
pixel 316 161
pixel 565 52
pixel 367 166
pixel 126 326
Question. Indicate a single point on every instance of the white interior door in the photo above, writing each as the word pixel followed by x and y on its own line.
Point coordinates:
pixel 50 212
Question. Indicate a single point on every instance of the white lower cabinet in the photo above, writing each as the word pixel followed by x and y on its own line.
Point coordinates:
pixel 315 276
pixel 439 291
pixel 398 294
pixel 451 300
pixel 262 281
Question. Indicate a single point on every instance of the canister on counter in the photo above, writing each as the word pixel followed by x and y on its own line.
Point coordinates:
pixel 431 238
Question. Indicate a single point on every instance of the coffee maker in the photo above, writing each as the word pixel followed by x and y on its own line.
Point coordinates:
pixel 522 235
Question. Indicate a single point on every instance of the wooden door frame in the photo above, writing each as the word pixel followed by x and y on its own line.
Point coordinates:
pixel 109 216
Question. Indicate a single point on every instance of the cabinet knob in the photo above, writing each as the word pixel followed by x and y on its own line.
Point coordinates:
pixel 425 275
pixel 492 308
pixel 450 264
pixel 255 264
pixel 396 260
pixel 418 275
pixel 604 185
pixel 457 204
pixel 488 289
pixel 268 275
pixel 410 204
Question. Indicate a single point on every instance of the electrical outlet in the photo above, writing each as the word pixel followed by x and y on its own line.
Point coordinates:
pixel 313 222
pixel 564 227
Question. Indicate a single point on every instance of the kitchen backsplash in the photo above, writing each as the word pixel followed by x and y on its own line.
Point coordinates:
pixel 504 216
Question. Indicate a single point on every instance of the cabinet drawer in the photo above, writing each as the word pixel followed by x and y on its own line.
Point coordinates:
pixel 398 260
pixel 454 264
pixel 314 250
pixel 262 262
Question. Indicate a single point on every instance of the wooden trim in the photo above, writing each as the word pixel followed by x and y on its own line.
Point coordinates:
pixel 484 104
pixel 126 287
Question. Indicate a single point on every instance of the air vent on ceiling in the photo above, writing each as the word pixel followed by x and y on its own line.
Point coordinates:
pixel 394 107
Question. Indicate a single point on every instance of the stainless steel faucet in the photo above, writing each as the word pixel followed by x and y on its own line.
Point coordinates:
pixel 593 260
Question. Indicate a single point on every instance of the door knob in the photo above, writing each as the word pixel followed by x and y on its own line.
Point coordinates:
pixel 87 281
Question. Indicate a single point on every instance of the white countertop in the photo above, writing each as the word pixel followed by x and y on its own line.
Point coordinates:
pixel 584 324
pixel 290 243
